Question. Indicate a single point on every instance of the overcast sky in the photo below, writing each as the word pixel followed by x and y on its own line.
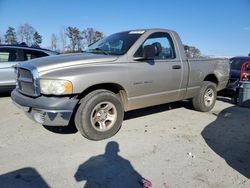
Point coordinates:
pixel 216 27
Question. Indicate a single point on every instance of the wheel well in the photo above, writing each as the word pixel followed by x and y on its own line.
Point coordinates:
pixel 115 88
pixel 212 78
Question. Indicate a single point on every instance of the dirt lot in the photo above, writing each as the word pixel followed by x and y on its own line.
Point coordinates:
pixel 170 145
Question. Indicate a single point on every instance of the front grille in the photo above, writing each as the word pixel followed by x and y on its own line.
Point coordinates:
pixel 24 73
pixel 26 87
pixel 26 82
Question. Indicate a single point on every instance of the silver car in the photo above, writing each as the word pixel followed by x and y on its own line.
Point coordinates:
pixel 11 55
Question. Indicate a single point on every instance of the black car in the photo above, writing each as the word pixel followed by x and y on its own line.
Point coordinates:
pixel 234 80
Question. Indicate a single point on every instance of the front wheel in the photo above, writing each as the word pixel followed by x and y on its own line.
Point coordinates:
pixel 204 101
pixel 99 115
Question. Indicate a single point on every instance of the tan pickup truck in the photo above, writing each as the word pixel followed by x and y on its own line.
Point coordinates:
pixel 122 72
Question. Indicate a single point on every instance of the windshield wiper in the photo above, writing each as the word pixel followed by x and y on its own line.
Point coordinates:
pixel 101 50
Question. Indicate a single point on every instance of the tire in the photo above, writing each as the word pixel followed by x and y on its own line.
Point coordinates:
pixel 99 115
pixel 204 101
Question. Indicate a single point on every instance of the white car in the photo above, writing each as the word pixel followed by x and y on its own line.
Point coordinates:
pixel 10 55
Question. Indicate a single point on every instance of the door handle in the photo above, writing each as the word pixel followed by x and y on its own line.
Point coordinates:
pixel 176 67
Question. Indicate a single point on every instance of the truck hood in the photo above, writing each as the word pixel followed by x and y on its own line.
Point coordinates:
pixel 59 61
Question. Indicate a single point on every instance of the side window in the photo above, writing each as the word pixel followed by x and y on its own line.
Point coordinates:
pixel 8 55
pixel 163 44
pixel 32 54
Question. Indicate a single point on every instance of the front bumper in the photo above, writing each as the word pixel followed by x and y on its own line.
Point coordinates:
pixel 51 111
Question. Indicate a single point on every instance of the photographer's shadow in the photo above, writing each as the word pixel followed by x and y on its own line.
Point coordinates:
pixel 229 137
pixel 108 170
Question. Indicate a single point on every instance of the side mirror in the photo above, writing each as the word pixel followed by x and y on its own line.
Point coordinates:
pixel 148 53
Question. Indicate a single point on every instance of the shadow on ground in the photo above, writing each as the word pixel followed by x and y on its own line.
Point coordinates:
pixel 157 109
pixel 25 177
pixel 71 129
pixel 229 137
pixel 108 170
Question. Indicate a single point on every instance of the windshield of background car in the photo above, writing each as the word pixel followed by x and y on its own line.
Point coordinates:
pixel 237 63
pixel 116 44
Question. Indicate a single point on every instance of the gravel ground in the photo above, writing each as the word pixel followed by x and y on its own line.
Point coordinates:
pixel 170 145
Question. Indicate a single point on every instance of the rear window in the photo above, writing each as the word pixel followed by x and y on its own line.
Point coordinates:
pixel 237 63
pixel 32 54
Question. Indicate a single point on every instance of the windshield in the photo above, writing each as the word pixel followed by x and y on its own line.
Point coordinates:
pixel 116 44
pixel 237 63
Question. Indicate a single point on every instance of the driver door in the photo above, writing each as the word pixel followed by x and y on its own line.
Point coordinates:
pixel 159 80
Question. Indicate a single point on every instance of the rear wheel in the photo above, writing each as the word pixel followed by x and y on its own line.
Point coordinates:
pixel 99 115
pixel 204 101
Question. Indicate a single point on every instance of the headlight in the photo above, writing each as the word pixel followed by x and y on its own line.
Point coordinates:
pixel 55 87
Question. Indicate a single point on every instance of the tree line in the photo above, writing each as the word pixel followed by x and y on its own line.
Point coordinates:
pixel 70 39
pixel 25 34
pixel 191 51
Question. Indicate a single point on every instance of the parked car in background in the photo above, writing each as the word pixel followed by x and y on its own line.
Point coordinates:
pixel 235 66
pixel 235 69
pixel 11 55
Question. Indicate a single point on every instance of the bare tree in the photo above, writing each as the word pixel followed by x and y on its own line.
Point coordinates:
pixel 98 35
pixel 1 39
pixel 20 33
pixel 54 41
pixel 63 38
pixel 26 33
pixel 91 35
pixel 75 38
pixel 192 51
